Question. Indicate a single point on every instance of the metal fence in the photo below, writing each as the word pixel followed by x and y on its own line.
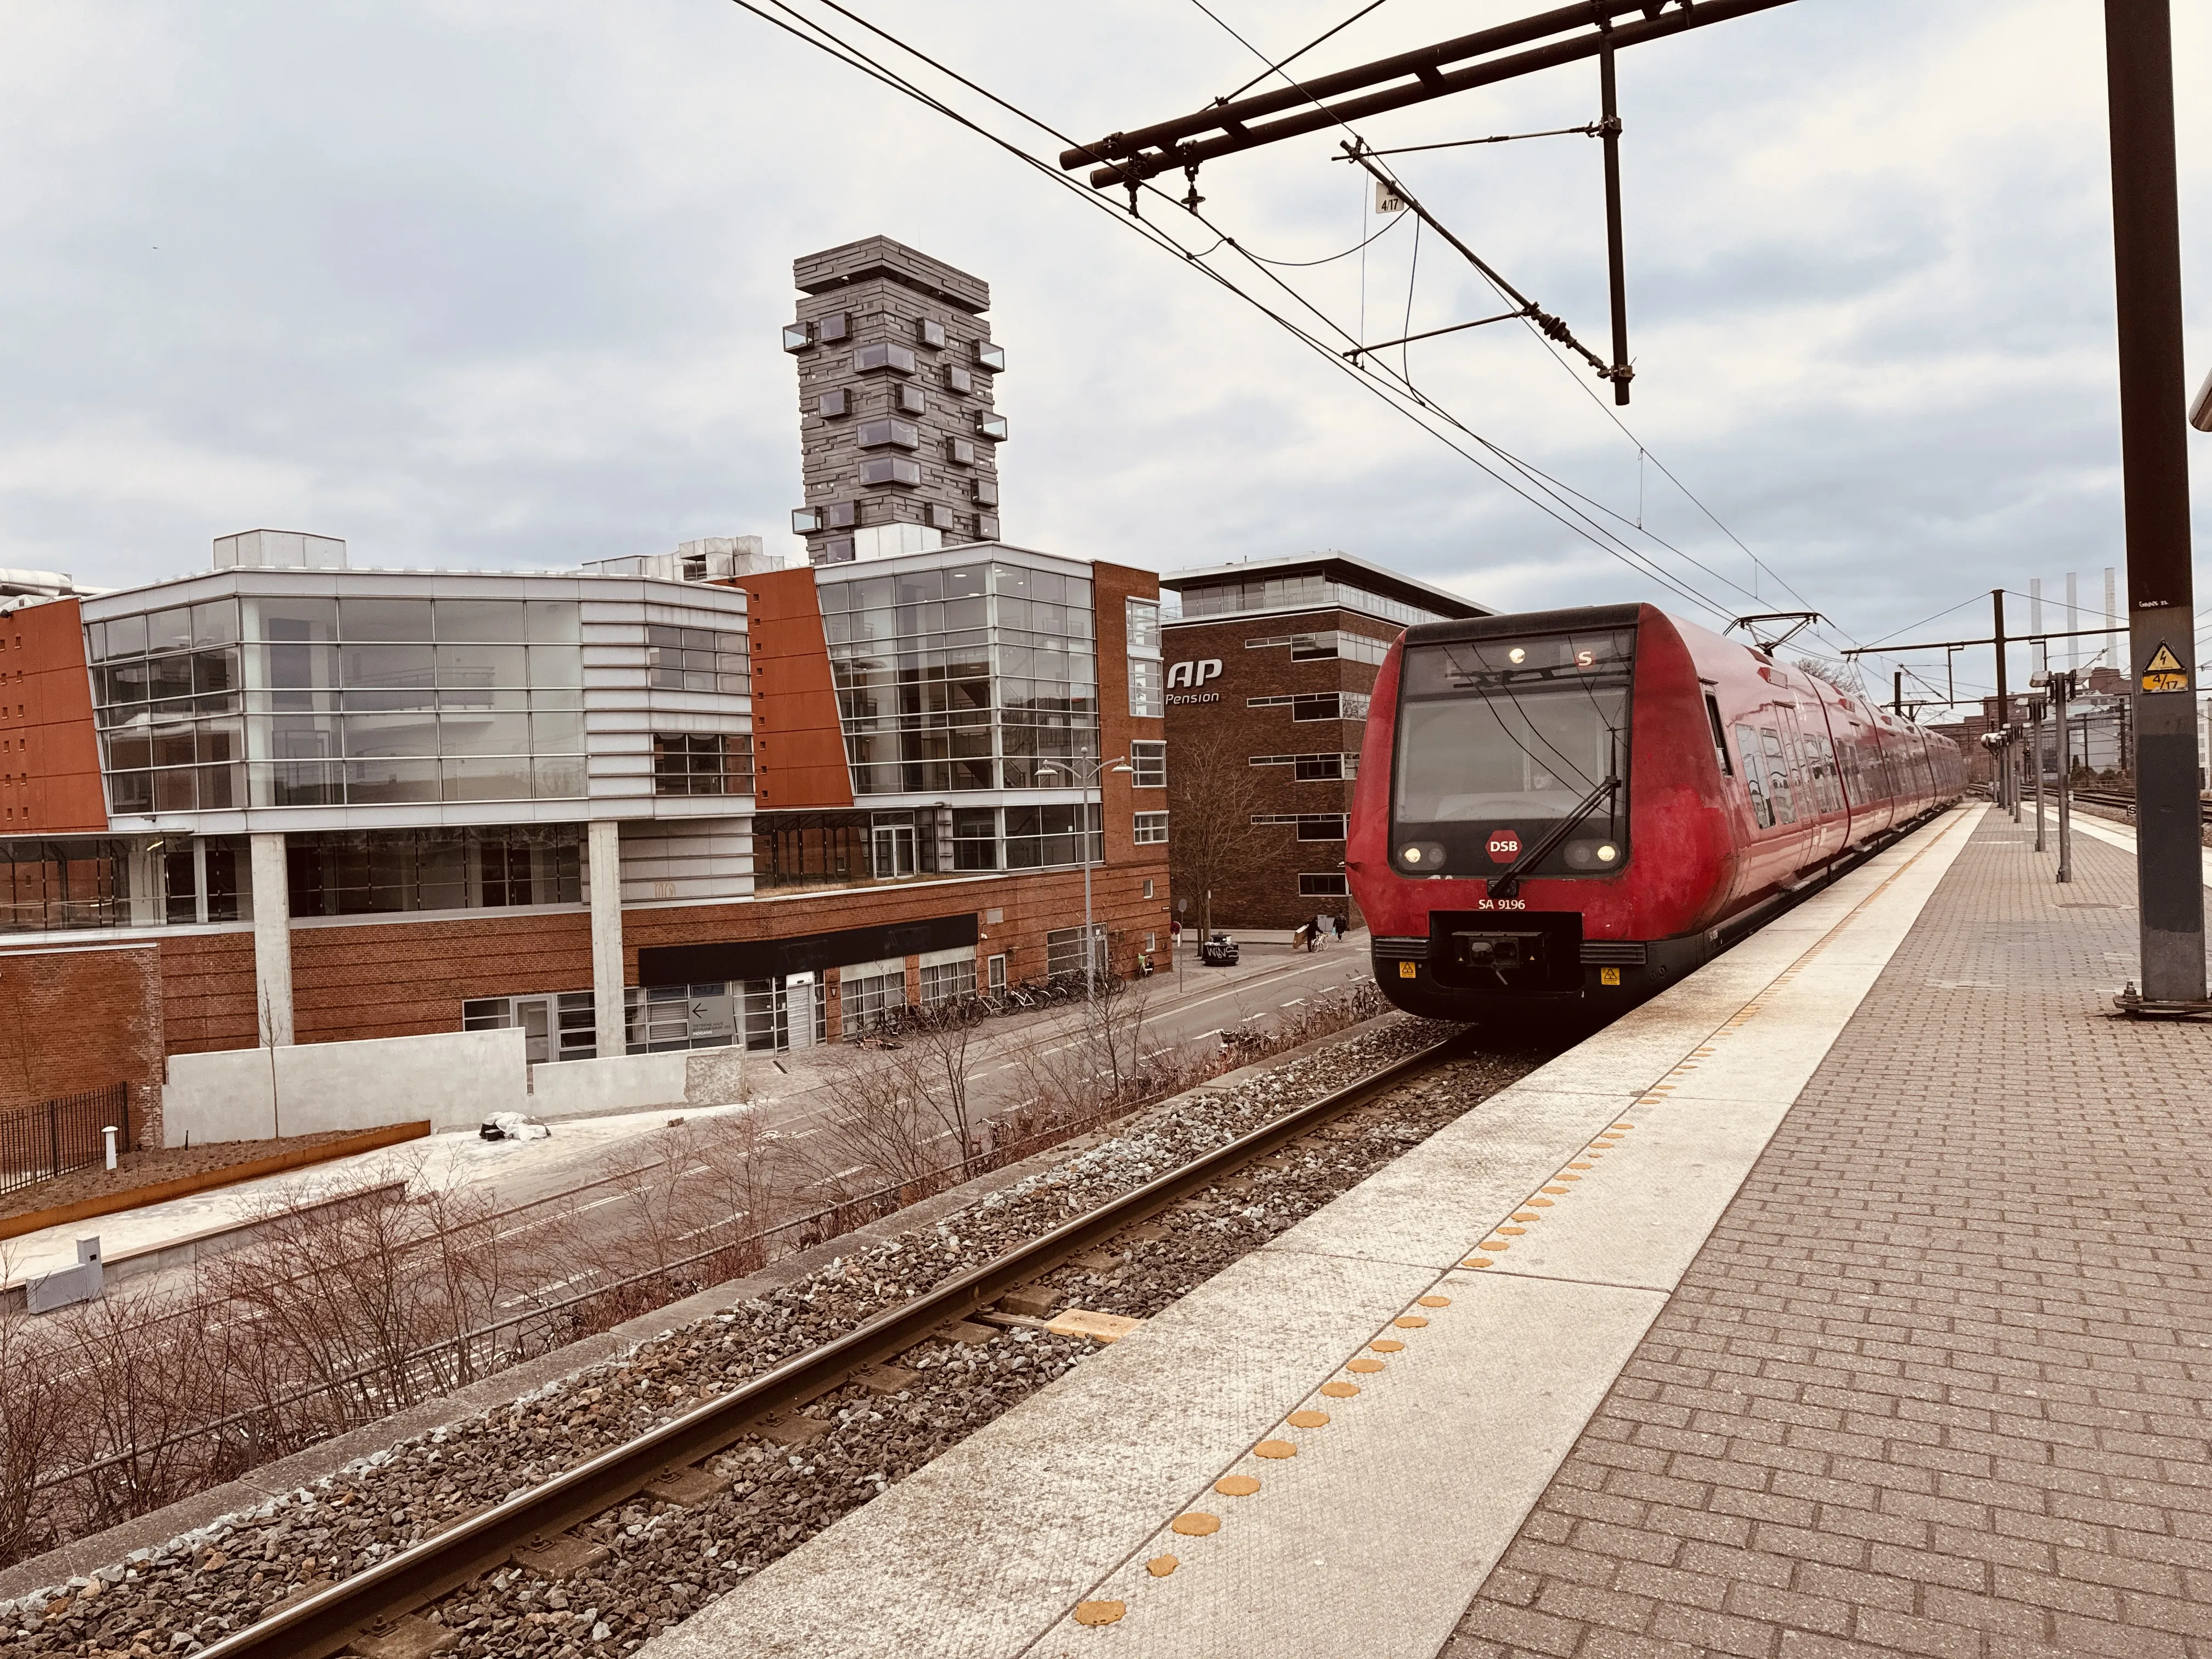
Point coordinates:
pixel 61 1135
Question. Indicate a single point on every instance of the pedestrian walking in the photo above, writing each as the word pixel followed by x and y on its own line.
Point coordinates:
pixel 1320 924
pixel 1337 922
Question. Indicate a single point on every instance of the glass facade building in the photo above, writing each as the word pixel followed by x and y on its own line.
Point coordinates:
pixel 961 676
pixel 299 701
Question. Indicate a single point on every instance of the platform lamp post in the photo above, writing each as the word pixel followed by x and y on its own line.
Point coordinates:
pixel 2154 487
pixel 1093 784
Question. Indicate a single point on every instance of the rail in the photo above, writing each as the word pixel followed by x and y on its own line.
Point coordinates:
pixel 326 1622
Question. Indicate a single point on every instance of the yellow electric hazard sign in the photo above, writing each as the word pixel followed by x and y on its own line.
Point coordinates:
pixel 1406 970
pixel 1608 976
pixel 2163 673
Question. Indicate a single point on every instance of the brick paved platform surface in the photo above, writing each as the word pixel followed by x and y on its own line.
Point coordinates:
pixel 1940 1380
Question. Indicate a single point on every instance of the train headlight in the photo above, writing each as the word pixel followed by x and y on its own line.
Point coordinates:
pixel 1516 655
pixel 1412 855
pixel 1607 854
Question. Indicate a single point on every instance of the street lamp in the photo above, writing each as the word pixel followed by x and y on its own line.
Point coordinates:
pixel 1091 784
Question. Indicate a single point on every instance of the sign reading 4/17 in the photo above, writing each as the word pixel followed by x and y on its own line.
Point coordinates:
pixel 2163 673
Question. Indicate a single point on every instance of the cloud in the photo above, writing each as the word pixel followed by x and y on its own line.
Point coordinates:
pixel 495 285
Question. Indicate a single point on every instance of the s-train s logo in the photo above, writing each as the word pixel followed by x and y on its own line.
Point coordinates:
pixel 1195 673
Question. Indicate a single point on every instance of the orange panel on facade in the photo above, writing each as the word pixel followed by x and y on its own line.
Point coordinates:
pixel 49 759
pixel 798 745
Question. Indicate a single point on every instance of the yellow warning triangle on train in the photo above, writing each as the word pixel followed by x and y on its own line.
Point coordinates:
pixel 2163 661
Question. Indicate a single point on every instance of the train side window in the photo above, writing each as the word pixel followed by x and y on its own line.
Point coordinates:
pixel 1761 812
pixel 1778 793
pixel 1720 736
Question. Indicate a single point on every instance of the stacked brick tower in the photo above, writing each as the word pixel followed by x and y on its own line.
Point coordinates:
pixel 896 373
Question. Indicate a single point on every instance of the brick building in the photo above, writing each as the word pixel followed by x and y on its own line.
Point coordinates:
pixel 283 800
pixel 1269 666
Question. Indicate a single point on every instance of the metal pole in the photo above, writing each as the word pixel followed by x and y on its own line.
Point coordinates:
pixel 1897 694
pixel 2155 476
pixel 1089 939
pixel 1616 262
pixel 2004 708
pixel 2035 727
pixel 2062 692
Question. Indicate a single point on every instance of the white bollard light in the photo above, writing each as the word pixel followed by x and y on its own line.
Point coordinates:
pixel 110 1133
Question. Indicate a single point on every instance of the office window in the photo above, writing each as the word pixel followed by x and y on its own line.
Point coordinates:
pixel 974 838
pixel 991 427
pixel 896 358
pixel 696 660
pixel 910 400
pixel 890 470
pixel 930 332
pixel 876 434
pixel 702 764
pixel 1144 628
pixel 1152 829
pixel 1146 697
pixel 346 873
pixel 1321 885
pixel 833 404
pixel 1311 826
pixel 958 380
pixel 989 358
pixel 1047 837
pixel 868 996
pixel 947 982
pixel 1149 761
pixel 1318 769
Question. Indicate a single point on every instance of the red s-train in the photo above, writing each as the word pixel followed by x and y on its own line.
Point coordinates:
pixel 1574 808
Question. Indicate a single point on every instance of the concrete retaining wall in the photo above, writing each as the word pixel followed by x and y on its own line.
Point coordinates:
pixel 633 1083
pixel 455 1078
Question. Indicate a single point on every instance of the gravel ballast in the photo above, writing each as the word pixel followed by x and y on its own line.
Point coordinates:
pixel 663 1560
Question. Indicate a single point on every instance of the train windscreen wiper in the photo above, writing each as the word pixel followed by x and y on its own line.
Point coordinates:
pixel 1507 883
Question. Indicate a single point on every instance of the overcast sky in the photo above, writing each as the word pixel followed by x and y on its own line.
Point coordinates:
pixel 494 285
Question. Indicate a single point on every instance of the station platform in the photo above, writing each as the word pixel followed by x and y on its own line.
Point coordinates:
pixel 1864 1312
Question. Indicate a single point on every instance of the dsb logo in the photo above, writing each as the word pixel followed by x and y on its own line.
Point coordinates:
pixel 1505 846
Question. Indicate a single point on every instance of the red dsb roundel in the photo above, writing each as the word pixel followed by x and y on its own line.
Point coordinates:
pixel 1505 846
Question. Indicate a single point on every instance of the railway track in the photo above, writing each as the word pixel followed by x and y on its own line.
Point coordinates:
pixel 2126 803
pixel 375 1613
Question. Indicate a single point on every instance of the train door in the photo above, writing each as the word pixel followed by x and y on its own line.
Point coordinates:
pixel 1809 776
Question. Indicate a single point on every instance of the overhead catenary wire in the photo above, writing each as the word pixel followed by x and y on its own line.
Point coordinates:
pixel 1407 401
pixel 1327 35
pixel 1526 483
pixel 1360 148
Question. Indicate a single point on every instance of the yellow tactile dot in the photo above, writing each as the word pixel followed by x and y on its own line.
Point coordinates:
pixel 1274 1448
pixel 1161 1565
pixel 1513 1232
pixel 1237 1485
pixel 1622 1128
pixel 1495 1244
pixel 1576 1166
pixel 1386 1345
pixel 1309 1420
pixel 1526 1215
pixel 1340 1391
pixel 1098 1612
pixel 1196 1524
pixel 1554 1190
pixel 1545 1203
pixel 1410 1321
pixel 1363 1366
pixel 1477 1261
pixel 1434 1301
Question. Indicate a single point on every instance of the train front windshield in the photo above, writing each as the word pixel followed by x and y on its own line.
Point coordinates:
pixel 1500 739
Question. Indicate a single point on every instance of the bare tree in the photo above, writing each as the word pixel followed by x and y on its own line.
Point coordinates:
pixel 1213 792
